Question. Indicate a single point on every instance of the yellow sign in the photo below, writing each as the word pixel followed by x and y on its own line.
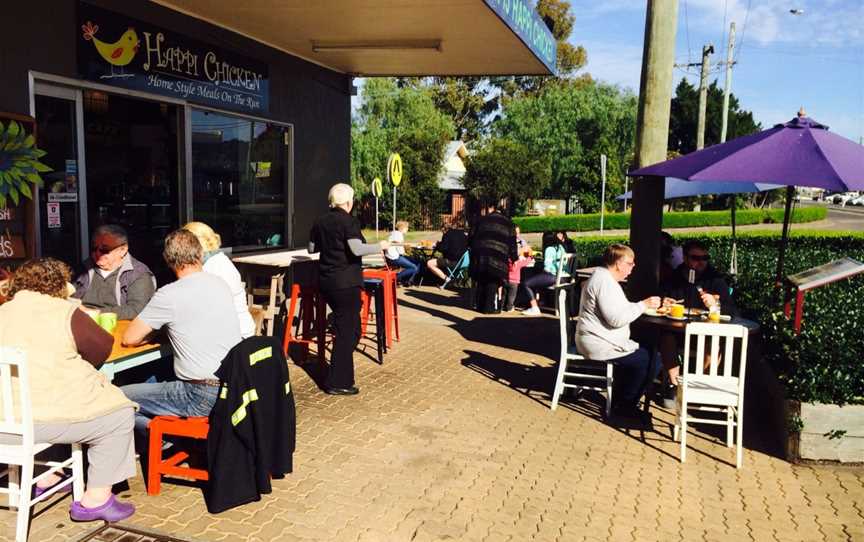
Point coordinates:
pixel 394 169
pixel 377 187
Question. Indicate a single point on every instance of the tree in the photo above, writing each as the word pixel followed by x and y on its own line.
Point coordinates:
pixel 406 121
pixel 571 126
pixel 683 120
pixel 503 168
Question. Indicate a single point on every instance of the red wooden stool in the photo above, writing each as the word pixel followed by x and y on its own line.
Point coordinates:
pixel 193 427
pixel 312 309
pixel 391 301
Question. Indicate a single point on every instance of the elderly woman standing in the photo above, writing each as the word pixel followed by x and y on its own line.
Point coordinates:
pixel 603 330
pixel 217 263
pixel 336 236
pixel 71 401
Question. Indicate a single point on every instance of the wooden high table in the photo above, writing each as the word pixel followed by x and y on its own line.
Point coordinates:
pixel 123 358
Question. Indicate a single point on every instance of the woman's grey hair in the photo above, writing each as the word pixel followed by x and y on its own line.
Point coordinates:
pixel 340 194
pixel 115 231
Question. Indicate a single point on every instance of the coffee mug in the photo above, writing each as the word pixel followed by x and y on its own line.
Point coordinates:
pixel 108 321
pixel 676 311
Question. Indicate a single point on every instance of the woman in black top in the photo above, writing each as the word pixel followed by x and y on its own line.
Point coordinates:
pixel 336 236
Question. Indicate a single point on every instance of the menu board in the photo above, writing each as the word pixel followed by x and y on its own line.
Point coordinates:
pixel 825 273
pixel 15 220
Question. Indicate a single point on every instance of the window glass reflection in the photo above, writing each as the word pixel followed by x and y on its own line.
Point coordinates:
pixel 240 179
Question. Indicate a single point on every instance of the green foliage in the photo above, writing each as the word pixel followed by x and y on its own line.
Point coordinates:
pixel 503 168
pixel 464 100
pixel 403 120
pixel 621 221
pixel 683 118
pixel 571 126
pixel 19 163
pixel 823 363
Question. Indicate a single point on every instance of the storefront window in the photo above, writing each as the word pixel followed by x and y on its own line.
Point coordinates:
pixel 240 179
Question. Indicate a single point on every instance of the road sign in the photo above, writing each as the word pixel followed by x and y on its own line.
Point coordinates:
pixel 394 169
pixel 377 187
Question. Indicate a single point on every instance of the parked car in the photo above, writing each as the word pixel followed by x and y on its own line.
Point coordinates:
pixel 856 201
pixel 843 199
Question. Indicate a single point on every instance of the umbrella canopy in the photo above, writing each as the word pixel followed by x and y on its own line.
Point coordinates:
pixel 679 188
pixel 801 152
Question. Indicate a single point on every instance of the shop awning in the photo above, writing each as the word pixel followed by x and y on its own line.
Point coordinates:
pixel 393 37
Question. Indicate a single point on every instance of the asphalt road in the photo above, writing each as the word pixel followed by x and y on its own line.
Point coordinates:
pixel 840 218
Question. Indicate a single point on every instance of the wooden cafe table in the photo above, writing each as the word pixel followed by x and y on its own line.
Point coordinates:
pixel 123 358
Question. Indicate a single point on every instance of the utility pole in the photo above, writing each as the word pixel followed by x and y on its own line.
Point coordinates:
pixel 707 51
pixel 652 137
pixel 728 86
pixel 733 258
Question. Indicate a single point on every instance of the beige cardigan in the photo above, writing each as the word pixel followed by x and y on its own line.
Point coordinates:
pixel 63 386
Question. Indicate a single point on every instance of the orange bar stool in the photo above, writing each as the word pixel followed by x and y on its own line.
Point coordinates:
pixel 308 303
pixel 193 427
pixel 391 301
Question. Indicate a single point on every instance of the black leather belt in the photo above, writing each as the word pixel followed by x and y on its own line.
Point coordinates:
pixel 206 382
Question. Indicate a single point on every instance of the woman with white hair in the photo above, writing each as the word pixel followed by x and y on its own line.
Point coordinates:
pixel 217 263
pixel 336 236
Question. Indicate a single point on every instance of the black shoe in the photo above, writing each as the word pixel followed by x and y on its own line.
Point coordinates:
pixel 353 390
pixel 669 396
pixel 630 413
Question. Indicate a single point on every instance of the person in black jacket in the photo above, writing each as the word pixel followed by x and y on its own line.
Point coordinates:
pixel 453 243
pixel 336 235
pixel 253 424
pixel 709 286
pixel 493 246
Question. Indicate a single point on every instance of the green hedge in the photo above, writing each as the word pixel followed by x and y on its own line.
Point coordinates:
pixel 823 363
pixel 621 221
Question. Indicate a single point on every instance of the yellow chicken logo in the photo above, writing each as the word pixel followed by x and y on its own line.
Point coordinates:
pixel 118 54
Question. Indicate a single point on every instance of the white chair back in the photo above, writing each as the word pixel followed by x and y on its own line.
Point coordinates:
pixel 713 335
pixel 17 417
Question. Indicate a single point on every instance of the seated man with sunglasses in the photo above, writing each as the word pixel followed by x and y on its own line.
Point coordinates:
pixel 700 294
pixel 114 281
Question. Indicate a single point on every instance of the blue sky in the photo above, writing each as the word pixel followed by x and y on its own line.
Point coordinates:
pixel 785 61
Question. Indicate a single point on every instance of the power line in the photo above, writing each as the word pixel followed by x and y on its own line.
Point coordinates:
pixel 723 33
pixel 743 29
pixel 687 29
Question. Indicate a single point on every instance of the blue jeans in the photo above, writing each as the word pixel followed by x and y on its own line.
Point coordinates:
pixel 633 373
pixel 177 398
pixel 409 268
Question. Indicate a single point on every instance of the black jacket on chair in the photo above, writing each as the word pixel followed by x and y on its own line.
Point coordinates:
pixel 252 425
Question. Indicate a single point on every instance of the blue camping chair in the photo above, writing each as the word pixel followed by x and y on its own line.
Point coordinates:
pixel 457 272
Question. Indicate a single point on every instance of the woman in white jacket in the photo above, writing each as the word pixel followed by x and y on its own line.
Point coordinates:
pixel 217 263
pixel 603 330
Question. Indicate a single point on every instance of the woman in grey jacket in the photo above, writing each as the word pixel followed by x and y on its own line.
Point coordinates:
pixel 603 330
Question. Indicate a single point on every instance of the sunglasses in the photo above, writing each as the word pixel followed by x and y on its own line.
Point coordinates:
pixel 103 249
pixel 699 258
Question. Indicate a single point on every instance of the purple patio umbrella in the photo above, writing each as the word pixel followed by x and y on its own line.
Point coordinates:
pixel 801 152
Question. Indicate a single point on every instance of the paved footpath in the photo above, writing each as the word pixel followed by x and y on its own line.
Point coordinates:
pixel 452 439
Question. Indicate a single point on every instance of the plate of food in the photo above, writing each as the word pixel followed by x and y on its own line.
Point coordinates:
pixel 660 311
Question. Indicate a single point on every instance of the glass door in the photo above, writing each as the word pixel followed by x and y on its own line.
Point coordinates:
pixel 63 226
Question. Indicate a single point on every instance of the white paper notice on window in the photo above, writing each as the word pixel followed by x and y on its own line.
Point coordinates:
pixel 53 214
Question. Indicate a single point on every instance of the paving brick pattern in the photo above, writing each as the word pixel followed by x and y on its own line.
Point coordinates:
pixel 452 439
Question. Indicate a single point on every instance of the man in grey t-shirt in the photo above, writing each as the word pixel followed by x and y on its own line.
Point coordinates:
pixel 198 311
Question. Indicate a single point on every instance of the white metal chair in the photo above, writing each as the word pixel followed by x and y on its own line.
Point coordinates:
pixel 575 366
pixel 21 457
pixel 564 275
pixel 714 391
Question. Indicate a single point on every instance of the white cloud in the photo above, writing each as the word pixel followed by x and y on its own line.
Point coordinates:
pixel 823 22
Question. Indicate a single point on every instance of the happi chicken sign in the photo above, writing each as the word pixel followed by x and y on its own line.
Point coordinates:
pixel 116 50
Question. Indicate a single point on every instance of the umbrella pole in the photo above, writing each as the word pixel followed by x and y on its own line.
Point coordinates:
pixel 733 259
pixel 787 217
